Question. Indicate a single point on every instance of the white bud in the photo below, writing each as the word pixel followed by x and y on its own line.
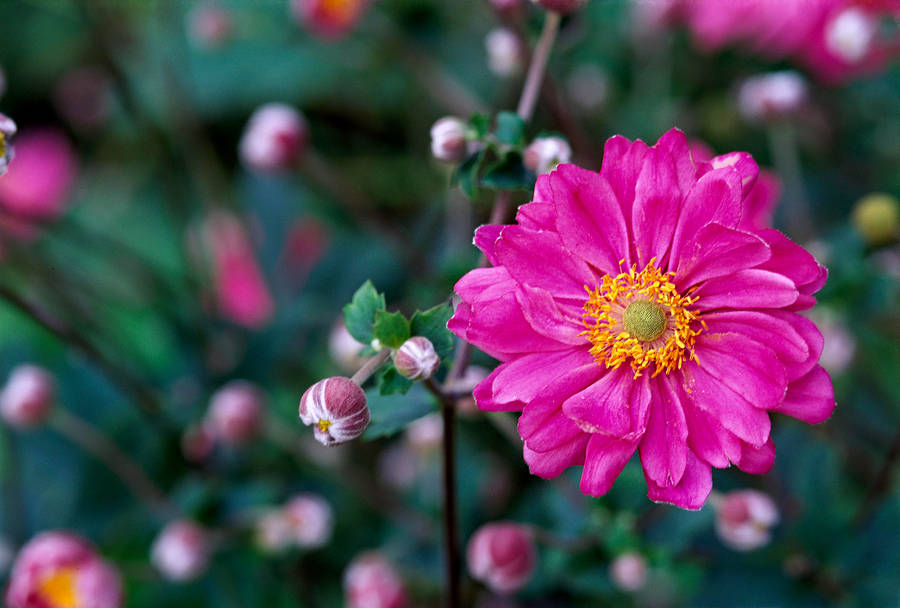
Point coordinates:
pixel 448 139
pixel 629 571
pixel 504 51
pixel 850 34
pixel 744 519
pixel 310 519
pixel 28 396
pixel 274 139
pixel 544 153
pixel 416 359
pixel 181 551
pixel 772 96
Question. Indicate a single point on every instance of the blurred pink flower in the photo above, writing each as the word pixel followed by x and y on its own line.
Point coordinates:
pixel 329 19
pixel 744 519
pixel 181 551
pixel 629 571
pixel 273 531
pixel 772 96
pixel 27 397
pixel 336 408
pixel 505 53
pixel 632 310
pixel 311 520
pixel 197 443
pixel 370 581
pixel 502 555
pixel 62 570
pixel 275 138
pixel 306 241
pixel 344 349
pixel 236 412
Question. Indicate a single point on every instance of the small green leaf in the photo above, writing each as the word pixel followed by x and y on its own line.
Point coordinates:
pixel 466 175
pixel 432 324
pixel 390 381
pixel 391 328
pixel 359 314
pixel 510 129
pixel 390 414
pixel 509 173
pixel 481 124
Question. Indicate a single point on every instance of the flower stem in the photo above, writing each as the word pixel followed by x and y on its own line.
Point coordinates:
pixel 783 146
pixel 371 366
pixel 535 76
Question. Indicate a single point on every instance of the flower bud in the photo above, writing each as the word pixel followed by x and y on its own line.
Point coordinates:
pixel 344 349
pixel 502 555
pixel 877 217
pixel 28 396
pixel 563 7
pixel 544 153
pixel 60 570
pixel 416 359
pixel 274 139
pixel 504 51
pixel 629 571
pixel 448 139
pixel 235 412
pixel 329 18
pixel 840 344
pixel 197 443
pixel 850 33
pixel 310 519
pixel 273 531
pixel 7 130
pixel 337 408
pixel 209 25
pixel 370 581
pixel 181 551
pixel 772 96
pixel 744 519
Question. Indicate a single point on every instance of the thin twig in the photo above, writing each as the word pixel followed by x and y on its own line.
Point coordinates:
pixel 535 76
pixel 371 366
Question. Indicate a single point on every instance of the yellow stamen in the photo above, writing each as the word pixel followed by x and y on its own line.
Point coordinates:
pixel 59 590
pixel 340 10
pixel 323 425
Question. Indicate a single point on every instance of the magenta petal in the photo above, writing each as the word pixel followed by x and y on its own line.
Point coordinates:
pixel 708 439
pixel 741 162
pixel 547 318
pixel 811 336
pixel 791 260
pixel 655 210
pixel 674 144
pixel 716 197
pixel 553 462
pixel 760 202
pixel 811 398
pixel 537 215
pixel 745 366
pixel 616 404
pixel 757 460
pixel 529 376
pixel 750 288
pixel 603 461
pixel 484 394
pixel 622 161
pixel 717 251
pixel 664 446
pixel 691 492
pixel 485 236
pixel 589 218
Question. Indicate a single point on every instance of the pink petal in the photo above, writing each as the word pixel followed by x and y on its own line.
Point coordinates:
pixel 750 288
pixel 616 404
pixel 759 204
pixel 745 366
pixel 655 211
pixel 537 215
pixel 790 259
pixel 674 144
pixel 691 492
pixel 553 462
pixel 546 317
pixel 708 439
pixel 815 342
pixel 811 398
pixel 757 460
pixel 603 461
pixel 484 394
pixel 485 236
pixel 719 251
pixel 529 376
pixel 622 161
pixel 741 162
pixel 716 197
pixel 664 446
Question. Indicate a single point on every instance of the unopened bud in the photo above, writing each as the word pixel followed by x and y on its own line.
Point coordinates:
pixel 877 217
pixel 235 412
pixel 371 581
pixel 502 555
pixel 772 96
pixel 7 130
pixel 197 443
pixel 448 139
pixel 416 359
pixel 629 571
pixel 274 139
pixel 563 7
pixel 504 51
pixel 544 153
pixel 28 396
pixel 181 551
pixel 336 407
pixel 310 519
pixel 850 34
pixel 273 531
pixel 744 519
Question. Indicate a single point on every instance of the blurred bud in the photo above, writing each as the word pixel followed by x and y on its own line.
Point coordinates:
pixel 772 96
pixel 850 33
pixel 273 531
pixel 502 555
pixel 329 18
pixel 344 349
pixel 561 6
pixel 649 18
pixel 544 153
pixel 235 412
pixel 448 139
pixel 336 407
pixel 397 467
pixel 506 6
pixel 306 242
pixel 27 397
pixel 588 87
pixel 197 443
pixel 209 25
pixel 181 551
pixel 629 571
pixel 370 581
pixel 275 138
pixel 58 569
pixel 877 217
pixel 416 359
pixel 82 96
pixel 426 433
pixel 839 345
pixel 744 519
pixel 504 51
pixel 310 519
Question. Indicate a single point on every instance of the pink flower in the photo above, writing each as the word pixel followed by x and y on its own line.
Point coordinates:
pixel 744 519
pixel 273 531
pixel 370 581
pixel 310 519
pixel 275 138
pixel 27 397
pixel 629 571
pixel 772 96
pixel 181 551
pixel 329 19
pixel 502 556
pixel 336 408
pixel 236 412
pixel 62 570
pixel 633 311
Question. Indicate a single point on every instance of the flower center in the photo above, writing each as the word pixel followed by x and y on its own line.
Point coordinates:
pixel 323 425
pixel 640 317
pixel 58 589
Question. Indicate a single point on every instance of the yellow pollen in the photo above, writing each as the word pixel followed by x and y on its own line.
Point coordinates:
pixel 340 10
pixel 323 425
pixel 58 589
pixel 640 317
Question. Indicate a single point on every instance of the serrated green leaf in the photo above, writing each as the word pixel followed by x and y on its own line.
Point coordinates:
pixel 390 382
pixel 510 129
pixel 432 324
pixel 466 175
pixel 391 413
pixel 391 328
pixel 509 173
pixel 359 314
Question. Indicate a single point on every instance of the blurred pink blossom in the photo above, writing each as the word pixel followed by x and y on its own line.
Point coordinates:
pixel 236 412
pixel 371 581
pixel 329 19
pixel 275 138
pixel 209 25
pixel 181 551
pixel 744 519
pixel 502 555
pixel 197 443
pixel 27 397
pixel 310 519
pixel 629 571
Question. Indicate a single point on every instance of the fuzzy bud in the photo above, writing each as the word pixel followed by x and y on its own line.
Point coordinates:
pixel 181 551
pixel 850 34
pixel 629 571
pixel 772 96
pixel 448 139
pixel 336 407
pixel 310 519
pixel 744 519
pixel 274 139
pixel 235 412
pixel 562 7
pixel 273 531
pixel 416 359
pixel 504 51
pixel 544 153
pixel 7 130
pixel 502 555
pixel 197 443
pixel 370 581
pixel 877 218
pixel 28 396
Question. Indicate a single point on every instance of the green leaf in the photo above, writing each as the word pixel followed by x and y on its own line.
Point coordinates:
pixel 466 175
pixel 359 314
pixel 391 328
pixel 509 173
pixel 510 129
pixel 481 124
pixel 390 414
pixel 432 324
pixel 390 382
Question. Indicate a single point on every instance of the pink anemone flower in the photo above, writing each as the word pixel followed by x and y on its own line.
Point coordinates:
pixel 633 310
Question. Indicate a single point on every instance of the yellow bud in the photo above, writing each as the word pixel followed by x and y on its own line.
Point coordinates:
pixel 876 217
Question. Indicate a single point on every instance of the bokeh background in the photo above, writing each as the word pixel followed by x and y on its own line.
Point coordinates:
pixel 139 186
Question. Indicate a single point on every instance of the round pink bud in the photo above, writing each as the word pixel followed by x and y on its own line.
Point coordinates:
pixel 310 519
pixel 7 130
pixel 772 96
pixel 60 570
pixel 28 396
pixel 274 139
pixel 502 555
pixel 273 531
pixel 197 443
pixel 744 519
pixel 629 571
pixel 336 407
pixel 371 581
pixel 850 34
pixel 561 6
pixel 209 25
pixel 544 153
pixel 416 359
pixel 448 139
pixel 181 551
pixel 504 51
pixel 235 412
